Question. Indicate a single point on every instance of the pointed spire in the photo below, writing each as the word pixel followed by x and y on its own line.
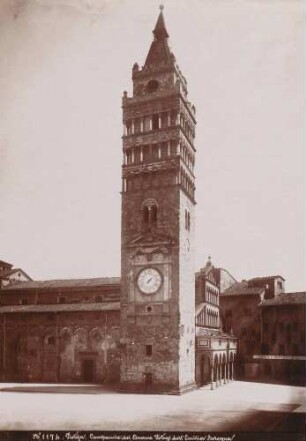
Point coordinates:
pixel 160 31
pixel 159 52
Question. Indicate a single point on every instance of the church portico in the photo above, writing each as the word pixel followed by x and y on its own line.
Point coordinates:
pixel 215 358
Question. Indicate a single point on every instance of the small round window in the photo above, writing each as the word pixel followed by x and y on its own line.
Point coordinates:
pixel 152 86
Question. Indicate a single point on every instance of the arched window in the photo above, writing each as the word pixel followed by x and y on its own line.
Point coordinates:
pixel 149 213
pixel 152 86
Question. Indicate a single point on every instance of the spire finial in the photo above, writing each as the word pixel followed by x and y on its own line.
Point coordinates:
pixel 161 7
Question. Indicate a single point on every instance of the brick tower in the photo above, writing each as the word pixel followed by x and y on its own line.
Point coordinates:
pixel 157 268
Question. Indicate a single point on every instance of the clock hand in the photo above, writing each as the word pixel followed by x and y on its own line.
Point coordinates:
pixel 149 280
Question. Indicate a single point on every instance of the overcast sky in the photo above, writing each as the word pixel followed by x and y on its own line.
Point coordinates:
pixel 64 65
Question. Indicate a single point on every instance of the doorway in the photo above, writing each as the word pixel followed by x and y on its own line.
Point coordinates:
pixel 205 370
pixel 148 377
pixel 88 370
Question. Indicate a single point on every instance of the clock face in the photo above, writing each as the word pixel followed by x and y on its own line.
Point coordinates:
pixel 149 280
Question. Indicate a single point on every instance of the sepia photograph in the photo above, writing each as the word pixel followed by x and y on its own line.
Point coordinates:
pixel 152 210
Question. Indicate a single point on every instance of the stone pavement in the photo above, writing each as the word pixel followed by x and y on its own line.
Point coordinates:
pixel 236 406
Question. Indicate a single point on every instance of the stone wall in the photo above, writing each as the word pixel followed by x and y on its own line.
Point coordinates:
pixel 54 347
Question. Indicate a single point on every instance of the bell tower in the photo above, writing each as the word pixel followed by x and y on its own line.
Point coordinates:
pixel 157 243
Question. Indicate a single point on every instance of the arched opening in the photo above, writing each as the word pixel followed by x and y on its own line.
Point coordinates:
pixel 149 214
pixel 152 86
pixel 205 370
pixel 216 369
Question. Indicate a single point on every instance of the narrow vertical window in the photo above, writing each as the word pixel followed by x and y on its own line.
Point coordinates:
pixel 155 122
pixel 148 350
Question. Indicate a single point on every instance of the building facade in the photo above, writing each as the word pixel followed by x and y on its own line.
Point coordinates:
pixel 283 353
pixel 65 331
pixel 270 327
pixel 9 275
pixel 216 350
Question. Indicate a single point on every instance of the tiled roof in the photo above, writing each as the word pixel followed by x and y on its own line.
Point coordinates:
pixel 255 279
pixel 65 283
pixel 12 271
pixel 289 298
pixel 59 307
pixel 204 332
pixel 242 288
pixel 2 262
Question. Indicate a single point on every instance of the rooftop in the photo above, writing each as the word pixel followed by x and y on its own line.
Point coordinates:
pixel 289 298
pixel 263 278
pixel 65 307
pixel 3 263
pixel 242 288
pixel 9 272
pixel 64 283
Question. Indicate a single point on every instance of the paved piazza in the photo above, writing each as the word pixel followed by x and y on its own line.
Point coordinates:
pixel 236 406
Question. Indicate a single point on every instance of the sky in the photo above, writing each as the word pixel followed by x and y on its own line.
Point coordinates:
pixel 64 65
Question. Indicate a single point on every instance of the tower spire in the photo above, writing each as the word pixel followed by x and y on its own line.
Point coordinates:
pixel 159 52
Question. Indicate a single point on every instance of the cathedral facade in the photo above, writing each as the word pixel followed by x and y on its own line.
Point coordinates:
pixel 148 330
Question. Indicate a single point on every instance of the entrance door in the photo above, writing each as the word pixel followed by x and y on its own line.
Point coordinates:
pixel 88 370
pixel 205 370
pixel 148 381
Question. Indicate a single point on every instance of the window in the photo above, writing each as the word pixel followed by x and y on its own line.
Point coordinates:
pixel 155 152
pixel 273 337
pixel 137 125
pixel 24 301
pixel 62 300
pixel 187 220
pixel 266 327
pixel 99 299
pixel 128 127
pixel 152 86
pixel 280 284
pixel 243 331
pixel 51 341
pixel 295 326
pixel 265 349
pixel 148 350
pixel 149 214
pixel 228 313
pixel 137 155
pixel 295 349
pixel 164 120
pixel 155 122
pixel 281 326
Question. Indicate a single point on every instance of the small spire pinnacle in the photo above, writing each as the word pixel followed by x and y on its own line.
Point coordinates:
pixel 161 7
